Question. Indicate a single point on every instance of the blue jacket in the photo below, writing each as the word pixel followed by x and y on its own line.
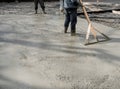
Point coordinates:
pixel 68 4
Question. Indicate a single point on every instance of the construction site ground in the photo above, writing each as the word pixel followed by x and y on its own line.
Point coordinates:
pixel 36 54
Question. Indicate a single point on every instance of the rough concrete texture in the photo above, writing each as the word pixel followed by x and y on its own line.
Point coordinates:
pixel 36 54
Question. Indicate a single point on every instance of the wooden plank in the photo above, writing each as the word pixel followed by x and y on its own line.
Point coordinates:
pixel 95 12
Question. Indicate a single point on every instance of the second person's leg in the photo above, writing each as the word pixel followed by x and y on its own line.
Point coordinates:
pixel 42 6
pixel 36 5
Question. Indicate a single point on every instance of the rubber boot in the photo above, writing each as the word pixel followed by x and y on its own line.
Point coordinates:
pixel 35 11
pixel 44 11
pixel 65 29
pixel 73 32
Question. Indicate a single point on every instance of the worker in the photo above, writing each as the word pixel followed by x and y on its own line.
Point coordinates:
pixel 70 7
pixel 41 2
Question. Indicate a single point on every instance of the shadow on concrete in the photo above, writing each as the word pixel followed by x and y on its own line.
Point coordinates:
pixel 115 40
pixel 72 50
pixel 100 54
pixel 8 83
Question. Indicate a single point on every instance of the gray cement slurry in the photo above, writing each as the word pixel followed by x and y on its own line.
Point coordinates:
pixel 36 54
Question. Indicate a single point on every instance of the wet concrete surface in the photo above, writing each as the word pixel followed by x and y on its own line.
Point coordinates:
pixel 36 54
pixel 27 8
pixel 52 8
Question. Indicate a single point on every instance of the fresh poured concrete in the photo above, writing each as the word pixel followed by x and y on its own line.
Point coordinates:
pixel 36 54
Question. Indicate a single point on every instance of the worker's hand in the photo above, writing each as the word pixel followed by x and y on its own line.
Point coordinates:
pixel 61 10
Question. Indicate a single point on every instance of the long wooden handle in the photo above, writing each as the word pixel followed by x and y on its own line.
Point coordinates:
pixel 88 20
pixel 85 12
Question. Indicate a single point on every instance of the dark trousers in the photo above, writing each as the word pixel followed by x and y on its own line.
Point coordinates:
pixel 41 2
pixel 71 17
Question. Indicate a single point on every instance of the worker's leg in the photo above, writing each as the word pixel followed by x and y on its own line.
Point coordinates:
pixel 67 20
pixel 36 5
pixel 73 19
pixel 42 6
